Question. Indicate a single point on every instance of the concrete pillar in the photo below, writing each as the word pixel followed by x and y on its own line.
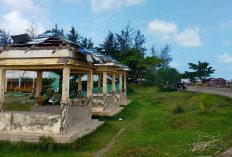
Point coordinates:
pixel 65 85
pixel 2 87
pixel 90 84
pixel 120 82
pixel 6 86
pixel 104 82
pixel 113 82
pixel 79 85
pixel 99 83
pixel 125 82
pixel 38 83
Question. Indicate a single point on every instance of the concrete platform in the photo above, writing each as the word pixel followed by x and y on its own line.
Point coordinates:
pixel 74 132
pixel 125 102
pixel 110 111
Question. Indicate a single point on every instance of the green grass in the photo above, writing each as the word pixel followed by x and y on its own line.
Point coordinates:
pixel 152 129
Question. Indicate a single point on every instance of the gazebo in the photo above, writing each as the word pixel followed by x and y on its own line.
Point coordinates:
pixel 47 52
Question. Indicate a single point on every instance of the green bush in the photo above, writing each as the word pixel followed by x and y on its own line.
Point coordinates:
pixel 205 102
pixel 46 144
pixel 178 109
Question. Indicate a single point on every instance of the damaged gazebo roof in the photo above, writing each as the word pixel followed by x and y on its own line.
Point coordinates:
pixel 53 40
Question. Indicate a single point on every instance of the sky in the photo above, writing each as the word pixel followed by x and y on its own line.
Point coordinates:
pixel 197 30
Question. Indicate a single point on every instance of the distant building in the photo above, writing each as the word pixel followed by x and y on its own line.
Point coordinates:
pixel 25 81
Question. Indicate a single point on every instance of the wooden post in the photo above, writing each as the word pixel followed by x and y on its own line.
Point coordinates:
pixel 2 87
pixel 113 82
pixel 65 85
pixel 120 82
pixel 104 82
pixel 38 84
pixel 99 83
pixel 90 84
pixel 79 85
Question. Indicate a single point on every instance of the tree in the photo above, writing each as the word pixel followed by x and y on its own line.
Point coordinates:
pixel 124 40
pixel 31 29
pixel 167 78
pixel 139 41
pixel 135 60
pixel 74 36
pixel 109 46
pixel 154 51
pixel 87 43
pixel 164 55
pixel 4 37
pixel 201 70
pixel 58 31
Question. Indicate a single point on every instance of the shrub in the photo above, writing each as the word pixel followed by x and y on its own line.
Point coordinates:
pixel 205 102
pixel 46 144
pixel 130 89
pixel 178 109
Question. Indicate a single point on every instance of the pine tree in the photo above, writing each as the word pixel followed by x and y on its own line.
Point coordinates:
pixel 139 41
pixel 74 36
pixel 109 45
pixel 125 39
pixel 165 56
pixel 4 37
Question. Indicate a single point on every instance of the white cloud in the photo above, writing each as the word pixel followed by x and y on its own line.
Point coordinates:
pixel 225 25
pixel 226 43
pixel 16 23
pixel 158 26
pixel 20 14
pixel 103 5
pixel 225 58
pixel 20 5
pixel 169 31
pixel 189 37
pixel 175 65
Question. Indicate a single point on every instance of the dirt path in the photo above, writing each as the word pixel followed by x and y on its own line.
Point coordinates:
pixel 110 144
pixel 211 90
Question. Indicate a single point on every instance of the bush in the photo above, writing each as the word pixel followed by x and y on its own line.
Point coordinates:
pixel 46 144
pixel 130 89
pixel 178 109
pixel 205 102
pixel 167 79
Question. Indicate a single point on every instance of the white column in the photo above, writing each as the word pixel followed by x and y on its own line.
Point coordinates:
pixel 113 82
pixel 120 82
pixel 65 85
pixel 79 83
pixel 99 83
pixel 90 84
pixel 2 87
pixel 6 86
pixel 125 82
pixel 104 82
pixel 38 83
pixel 2 84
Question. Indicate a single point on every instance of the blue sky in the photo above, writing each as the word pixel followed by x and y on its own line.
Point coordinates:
pixel 196 29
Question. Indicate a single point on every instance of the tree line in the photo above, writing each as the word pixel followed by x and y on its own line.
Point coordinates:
pixel 128 47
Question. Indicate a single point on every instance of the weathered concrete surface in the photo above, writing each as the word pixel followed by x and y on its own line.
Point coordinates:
pixel 211 90
pixel 29 122
pixel 76 131
pixel 227 153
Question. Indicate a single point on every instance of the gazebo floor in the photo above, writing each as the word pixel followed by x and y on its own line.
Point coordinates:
pixel 125 102
pixel 110 111
pixel 74 132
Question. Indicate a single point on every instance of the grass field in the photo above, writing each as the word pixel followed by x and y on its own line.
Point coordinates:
pixel 150 129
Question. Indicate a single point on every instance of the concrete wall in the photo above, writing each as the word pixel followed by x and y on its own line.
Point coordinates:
pixel 75 112
pixel 29 122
